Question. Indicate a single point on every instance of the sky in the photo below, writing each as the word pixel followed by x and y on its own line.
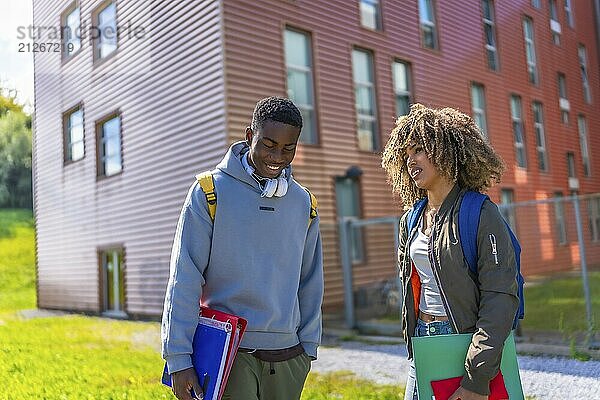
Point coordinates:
pixel 16 68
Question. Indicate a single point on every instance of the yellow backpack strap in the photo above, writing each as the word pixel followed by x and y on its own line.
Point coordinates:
pixel 206 181
pixel 313 207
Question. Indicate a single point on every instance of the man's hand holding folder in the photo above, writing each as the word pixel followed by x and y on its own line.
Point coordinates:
pixel 186 385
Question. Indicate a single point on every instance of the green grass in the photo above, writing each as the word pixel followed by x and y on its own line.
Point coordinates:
pixel 559 304
pixel 344 385
pixel 17 260
pixel 79 357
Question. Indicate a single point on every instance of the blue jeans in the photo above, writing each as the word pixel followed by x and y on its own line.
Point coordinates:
pixel 423 329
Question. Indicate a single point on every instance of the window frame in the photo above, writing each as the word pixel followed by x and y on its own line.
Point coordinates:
pixel 100 157
pixel 563 98
pixel 560 218
pixel 372 88
pixel 583 68
pixel 478 111
pixel 555 27
pixel 67 136
pixel 569 14
pixel 582 128
pixel 66 56
pixel 310 108
pixel 519 145
pixel 540 135
pixel 491 23
pixel 378 14
pixel 432 24
pixel 97 42
pixel 532 69
pixel 408 93
pixel 594 218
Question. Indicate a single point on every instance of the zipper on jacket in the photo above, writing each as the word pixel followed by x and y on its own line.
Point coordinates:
pixel 494 248
pixel 407 254
pixel 431 255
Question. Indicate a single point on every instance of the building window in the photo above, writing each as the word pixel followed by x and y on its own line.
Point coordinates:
pixel 300 87
pixel 109 146
pixel 583 142
pixel 347 194
pixel 478 108
pixel 428 26
pixel 536 3
pixel 113 281
pixel 540 136
pixel 105 21
pixel 530 50
pixel 73 134
pixel 587 96
pixel 401 76
pixel 554 24
pixel 71 32
pixel 594 213
pixel 563 100
pixel 571 171
pixel 507 197
pixel 364 92
pixel 569 13
pixel 489 28
pixel 370 14
pixel 559 211
pixel 518 130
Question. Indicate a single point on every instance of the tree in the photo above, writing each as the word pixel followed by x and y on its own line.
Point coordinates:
pixel 15 155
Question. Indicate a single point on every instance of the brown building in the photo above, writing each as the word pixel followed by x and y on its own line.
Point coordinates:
pixel 124 121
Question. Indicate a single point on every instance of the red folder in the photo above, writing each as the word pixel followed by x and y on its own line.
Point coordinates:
pixel 443 389
pixel 238 327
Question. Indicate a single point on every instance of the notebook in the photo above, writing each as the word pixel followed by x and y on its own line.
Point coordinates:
pixel 210 347
pixel 215 344
pixel 443 356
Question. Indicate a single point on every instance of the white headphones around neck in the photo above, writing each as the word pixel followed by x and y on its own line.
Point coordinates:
pixel 272 187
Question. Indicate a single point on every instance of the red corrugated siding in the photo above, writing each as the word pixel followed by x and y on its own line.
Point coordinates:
pixel 255 68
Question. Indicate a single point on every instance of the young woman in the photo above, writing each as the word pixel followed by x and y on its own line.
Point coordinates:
pixel 439 154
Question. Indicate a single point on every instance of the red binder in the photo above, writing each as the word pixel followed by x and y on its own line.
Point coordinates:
pixel 443 389
pixel 238 327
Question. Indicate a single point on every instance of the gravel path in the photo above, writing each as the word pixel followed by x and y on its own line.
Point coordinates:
pixel 542 377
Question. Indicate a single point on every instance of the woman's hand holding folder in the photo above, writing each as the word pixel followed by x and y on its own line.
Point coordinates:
pixel 186 385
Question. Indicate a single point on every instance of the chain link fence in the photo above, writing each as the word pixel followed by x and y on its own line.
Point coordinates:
pixel 557 234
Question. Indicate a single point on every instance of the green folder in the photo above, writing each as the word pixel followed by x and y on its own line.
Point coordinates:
pixel 443 356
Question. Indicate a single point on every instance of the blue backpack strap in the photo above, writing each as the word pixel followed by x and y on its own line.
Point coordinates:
pixel 468 225
pixel 414 213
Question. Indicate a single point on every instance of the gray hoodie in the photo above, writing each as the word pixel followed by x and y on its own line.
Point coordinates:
pixel 261 260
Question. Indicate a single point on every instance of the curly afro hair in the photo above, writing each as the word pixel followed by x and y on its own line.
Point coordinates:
pixel 454 145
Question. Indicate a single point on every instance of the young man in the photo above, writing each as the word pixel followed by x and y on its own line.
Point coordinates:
pixel 260 259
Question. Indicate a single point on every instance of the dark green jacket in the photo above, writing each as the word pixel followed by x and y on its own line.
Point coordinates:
pixel 484 304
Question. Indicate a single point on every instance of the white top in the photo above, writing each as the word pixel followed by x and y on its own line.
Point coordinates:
pixel 431 300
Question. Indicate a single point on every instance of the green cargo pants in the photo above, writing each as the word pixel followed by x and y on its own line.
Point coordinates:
pixel 253 379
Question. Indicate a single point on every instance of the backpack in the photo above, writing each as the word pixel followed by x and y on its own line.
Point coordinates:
pixel 207 183
pixel 468 225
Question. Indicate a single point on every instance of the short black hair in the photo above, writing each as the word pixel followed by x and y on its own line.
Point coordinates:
pixel 279 109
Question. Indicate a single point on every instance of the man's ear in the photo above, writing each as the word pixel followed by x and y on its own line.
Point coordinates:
pixel 249 134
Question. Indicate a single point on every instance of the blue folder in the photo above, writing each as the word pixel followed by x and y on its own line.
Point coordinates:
pixel 209 347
